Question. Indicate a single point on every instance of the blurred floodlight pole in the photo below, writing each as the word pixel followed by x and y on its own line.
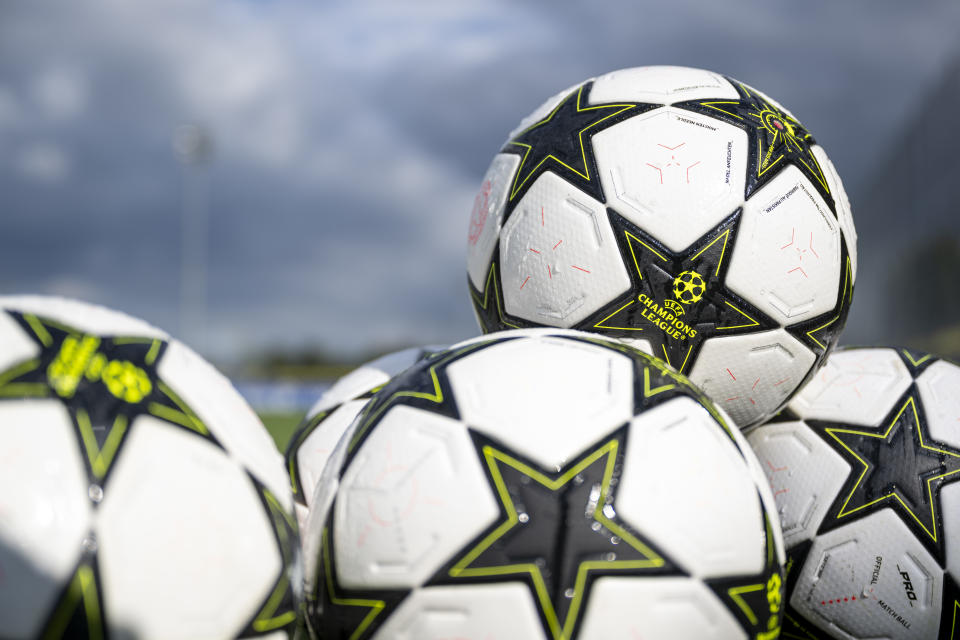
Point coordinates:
pixel 193 146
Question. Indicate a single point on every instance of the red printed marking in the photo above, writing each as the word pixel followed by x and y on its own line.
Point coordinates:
pixel 691 167
pixel 585 271
pixel 557 245
pixel 535 251
pixel 780 491
pixel 671 148
pixel 733 398
pixel 755 384
pixel 775 469
pixel 781 382
pixel 549 272
pixel 731 374
pixel 800 269
pixel 793 232
pixel 811 246
pixel 839 601
pixel 524 282
pixel 659 170
pixel 541 216
pixel 752 401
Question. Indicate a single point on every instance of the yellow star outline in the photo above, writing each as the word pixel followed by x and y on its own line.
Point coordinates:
pixel 375 606
pixel 269 618
pixel 764 113
pixel 585 174
pixel 491 285
pixel 81 591
pixel 893 494
pixel 495 458
pixel 436 395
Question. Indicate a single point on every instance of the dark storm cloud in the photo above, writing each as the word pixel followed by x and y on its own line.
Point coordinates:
pixel 349 138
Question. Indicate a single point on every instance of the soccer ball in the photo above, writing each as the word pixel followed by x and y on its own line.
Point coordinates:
pixel 331 415
pixel 543 484
pixel 679 206
pixel 139 494
pixel 865 469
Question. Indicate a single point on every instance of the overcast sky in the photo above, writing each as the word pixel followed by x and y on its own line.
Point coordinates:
pixel 349 138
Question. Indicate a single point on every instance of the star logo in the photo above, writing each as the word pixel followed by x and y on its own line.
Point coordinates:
pixel 777 137
pixel 104 383
pixel 900 468
pixel 558 532
pixel 651 305
pixel 560 142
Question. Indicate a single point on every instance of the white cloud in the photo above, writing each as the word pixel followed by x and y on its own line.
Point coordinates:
pixel 43 162
pixel 61 92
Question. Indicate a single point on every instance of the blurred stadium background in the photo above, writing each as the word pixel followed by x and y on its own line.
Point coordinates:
pixel 285 184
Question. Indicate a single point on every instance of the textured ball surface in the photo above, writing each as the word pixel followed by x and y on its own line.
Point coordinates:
pixel 139 494
pixel 331 416
pixel 605 196
pixel 865 469
pixel 542 484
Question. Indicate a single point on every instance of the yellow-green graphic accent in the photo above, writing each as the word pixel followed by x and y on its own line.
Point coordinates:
pixel 78 610
pixel 104 382
pixel 599 463
pixel 904 425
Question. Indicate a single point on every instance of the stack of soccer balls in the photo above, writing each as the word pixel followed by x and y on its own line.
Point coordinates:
pixel 661 258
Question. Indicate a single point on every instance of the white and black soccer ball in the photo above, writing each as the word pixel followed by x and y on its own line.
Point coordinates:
pixel 331 415
pixel 139 494
pixel 679 206
pixel 865 469
pixel 543 484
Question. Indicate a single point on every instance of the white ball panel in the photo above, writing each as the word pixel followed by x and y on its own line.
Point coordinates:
pixel 674 173
pixel 657 609
pixel 463 612
pixel 858 386
pixel 804 473
pixel 559 259
pixel 44 511
pixel 844 212
pixel 409 500
pixel 185 545
pixel 540 409
pixel 83 316
pixel 750 375
pixel 950 511
pixel 487 216
pixel 789 235
pixel 661 85
pixel 939 389
pixel 718 531
pixel 15 346
pixel 229 418
pixel 313 453
pixel 843 564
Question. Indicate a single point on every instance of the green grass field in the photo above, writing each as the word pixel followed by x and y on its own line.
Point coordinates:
pixel 281 426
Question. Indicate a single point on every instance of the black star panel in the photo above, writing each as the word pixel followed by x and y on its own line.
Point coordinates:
pixel 950 612
pixel 897 465
pixel 651 308
pixel 756 601
pixel 342 614
pixel 104 383
pixel 279 610
pixel 775 138
pixel 79 612
pixel 916 361
pixel 557 533
pixel 561 143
